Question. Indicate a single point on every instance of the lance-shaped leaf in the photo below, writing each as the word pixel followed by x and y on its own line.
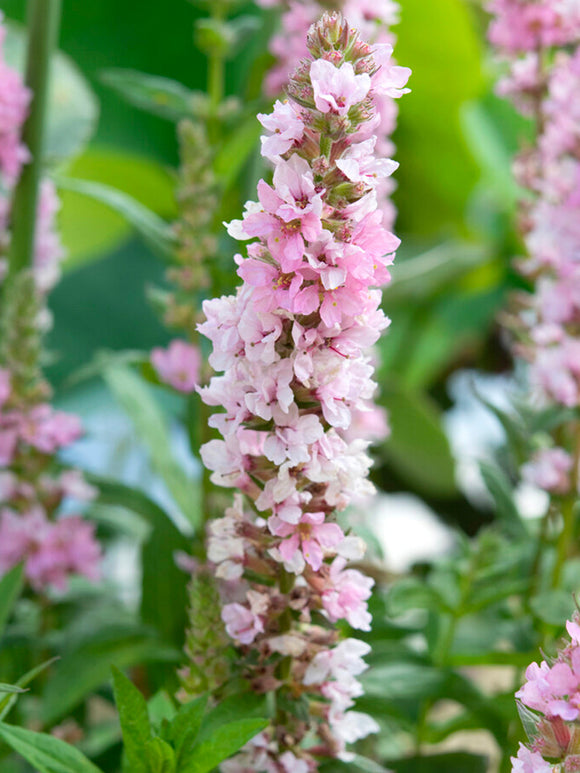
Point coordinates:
pixel 46 753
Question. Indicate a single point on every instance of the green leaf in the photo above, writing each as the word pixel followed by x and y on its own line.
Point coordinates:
pixel 160 756
pixel 404 680
pixel 224 37
pixel 161 709
pixel 430 272
pixel 161 96
pixel 135 724
pixel 185 726
pixel 487 145
pixel 553 607
pixel 10 589
pixel 240 705
pixel 367 765
pixel 11 688
pixel 418 447
pixel 224 742
pixel 412 593
pixel 7 703
pixel 88 666
pixel 73 108
pixel 498 485
pixel 135 397
pixel 154 230
pixel 46 753
pixel 236 150
pixel 90 229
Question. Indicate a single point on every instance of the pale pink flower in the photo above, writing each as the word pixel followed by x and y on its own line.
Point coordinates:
pixel 286 127
pixel 346 594
pixel 312 536
pixel 530 762
pixel 337 89
pixel 178 365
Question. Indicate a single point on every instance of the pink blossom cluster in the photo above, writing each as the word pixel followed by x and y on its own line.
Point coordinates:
pixel 32 489
pixel 14 102
pixel 538 39
pixel 292 345
pixel 32 486
pixel 550 699
pixel 374 20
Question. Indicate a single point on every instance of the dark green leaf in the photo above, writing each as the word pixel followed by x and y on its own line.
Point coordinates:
pixel 46 753
pixel 418 447
pixel 88 667
pixel 9 701
pixel 134 720
pixel 10 589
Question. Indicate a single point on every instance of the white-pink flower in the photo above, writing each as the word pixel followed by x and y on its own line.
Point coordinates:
pixel 337 89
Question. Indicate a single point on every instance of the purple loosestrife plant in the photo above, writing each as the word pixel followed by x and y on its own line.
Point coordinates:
pixel 539 40
pixel 374 20
pixel 32 484
pixel 292 347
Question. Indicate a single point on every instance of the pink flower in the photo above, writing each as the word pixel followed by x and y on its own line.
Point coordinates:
pixel 48 430
pixel 346 594
pixel 5 385
pixel 549 469
pixel 292 437
pixel 178 365
pixel 337 89
pixel 14 101
pixel 51 551
pixel 311 536
pixel 530 762
pixel 243 623
pixel 286 127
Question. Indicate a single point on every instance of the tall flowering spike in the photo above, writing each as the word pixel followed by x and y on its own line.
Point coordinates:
pixel 549 703
pixel 374 20
pixel 33 485
pixel 292 347
pixel 539 42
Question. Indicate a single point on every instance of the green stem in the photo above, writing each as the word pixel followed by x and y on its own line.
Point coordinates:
pixel 564 540
pixel 43 25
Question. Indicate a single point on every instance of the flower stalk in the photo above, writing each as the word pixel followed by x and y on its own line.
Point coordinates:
pixel 292 348
pixel 43 27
